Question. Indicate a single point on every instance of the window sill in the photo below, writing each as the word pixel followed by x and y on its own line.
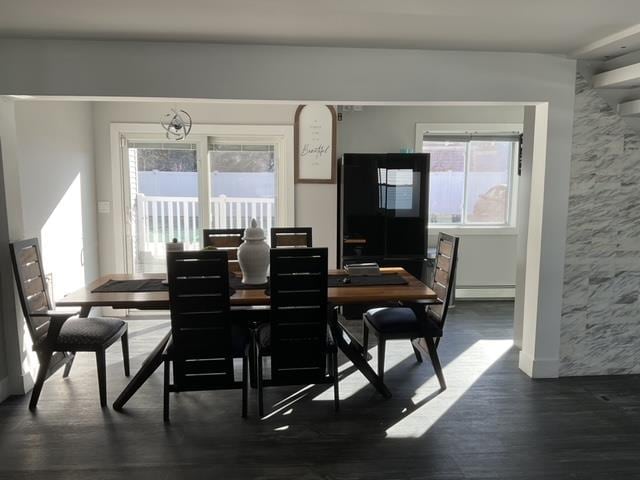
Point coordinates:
pixel 459 230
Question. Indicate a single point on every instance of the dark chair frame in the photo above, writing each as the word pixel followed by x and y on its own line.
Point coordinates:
pixel 44 323
pixel 421 341
pixel 207 233
pixel 302 235
pixel 201 344
pixel 301 348
pixel 227 240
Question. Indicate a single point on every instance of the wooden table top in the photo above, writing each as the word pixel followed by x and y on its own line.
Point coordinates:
pixel 85 297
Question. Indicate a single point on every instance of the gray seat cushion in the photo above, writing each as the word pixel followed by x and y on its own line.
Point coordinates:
pixel 87 333
pixel 399 320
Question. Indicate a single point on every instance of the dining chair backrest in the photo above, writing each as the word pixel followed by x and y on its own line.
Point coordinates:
pixel 200 319
pixel 225 239
pixel 298 315
pixel 445 268
pixel 32 286
pixel 291 237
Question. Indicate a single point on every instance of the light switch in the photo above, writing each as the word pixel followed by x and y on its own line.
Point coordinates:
pixel 104 207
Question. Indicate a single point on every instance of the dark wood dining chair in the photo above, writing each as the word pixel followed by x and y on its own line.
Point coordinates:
pixel 297 339
pixel 420 323
pixel 225 239
pixel 56 335
pixel 204 340
pixel 291 237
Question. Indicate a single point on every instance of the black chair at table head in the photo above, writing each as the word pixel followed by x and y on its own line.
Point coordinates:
pixel 227 240
pixel 420 323
pixel 282 237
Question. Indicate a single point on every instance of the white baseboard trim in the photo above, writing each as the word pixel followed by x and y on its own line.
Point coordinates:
pixel 4 389
pixel 539 367
pixel 486 293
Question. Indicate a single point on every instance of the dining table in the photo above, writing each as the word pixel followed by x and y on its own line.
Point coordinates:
pixel 253 303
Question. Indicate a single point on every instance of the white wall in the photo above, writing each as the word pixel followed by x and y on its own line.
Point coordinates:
pixel 339 75
pixel 50 188
pixel 59 207
pixel 529 152
pixel 485 260
pixel 16 343
pixel 6 291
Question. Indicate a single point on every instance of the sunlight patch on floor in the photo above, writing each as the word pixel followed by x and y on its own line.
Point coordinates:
pixel 352 384
pixel 460 374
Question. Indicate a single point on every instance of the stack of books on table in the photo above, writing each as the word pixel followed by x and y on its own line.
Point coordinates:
pixel 362 269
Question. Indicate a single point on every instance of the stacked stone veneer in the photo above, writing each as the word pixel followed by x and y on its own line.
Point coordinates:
pixel 600 331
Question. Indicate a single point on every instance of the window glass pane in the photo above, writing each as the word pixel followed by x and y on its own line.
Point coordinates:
pixel 446 181
pixel 243 185
pixel 164 201
pixel 488 182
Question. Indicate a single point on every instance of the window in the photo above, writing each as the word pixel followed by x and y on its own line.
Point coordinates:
pixel 472 181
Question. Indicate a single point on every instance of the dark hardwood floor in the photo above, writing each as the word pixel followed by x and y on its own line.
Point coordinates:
pixel 492 422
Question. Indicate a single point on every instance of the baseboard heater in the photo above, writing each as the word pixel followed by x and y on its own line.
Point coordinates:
pixel 485 292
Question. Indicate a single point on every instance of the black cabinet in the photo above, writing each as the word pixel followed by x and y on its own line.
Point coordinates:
pixel 383 210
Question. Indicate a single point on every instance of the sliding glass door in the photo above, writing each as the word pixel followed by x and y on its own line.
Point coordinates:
pixel 173 190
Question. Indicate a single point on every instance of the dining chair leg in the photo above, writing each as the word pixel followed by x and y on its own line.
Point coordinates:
pixel 416 351
pixel 101 362
pixel 435 360
pixel 67 367
pixel 45 361
pixel 245 383
pixel 259 370
pixel 125 353
pixel 336 392
pixel 165 390
pixel 365 339
pixel 381 349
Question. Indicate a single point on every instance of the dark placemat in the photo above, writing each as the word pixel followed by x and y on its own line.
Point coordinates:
pixel 140 286
pixel 129 286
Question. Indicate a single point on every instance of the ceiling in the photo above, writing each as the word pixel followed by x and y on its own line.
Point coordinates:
pixel 546 26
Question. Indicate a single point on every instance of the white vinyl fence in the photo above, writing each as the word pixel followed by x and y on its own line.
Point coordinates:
pixel 161 219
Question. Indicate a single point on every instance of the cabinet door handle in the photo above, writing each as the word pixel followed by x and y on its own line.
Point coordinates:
pixel 82 257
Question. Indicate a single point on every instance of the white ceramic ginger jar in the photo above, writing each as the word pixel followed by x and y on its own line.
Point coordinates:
pixel 253 255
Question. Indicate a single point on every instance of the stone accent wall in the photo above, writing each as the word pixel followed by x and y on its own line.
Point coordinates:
pixel 600 331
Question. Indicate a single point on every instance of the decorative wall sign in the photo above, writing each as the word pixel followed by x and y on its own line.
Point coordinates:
pixel 315 144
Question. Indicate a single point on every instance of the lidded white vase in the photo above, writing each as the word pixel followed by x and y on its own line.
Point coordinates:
pixel 253 255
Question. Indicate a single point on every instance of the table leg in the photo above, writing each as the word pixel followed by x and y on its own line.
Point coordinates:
pixel 85 310
pixel 353 350
pixel 150 365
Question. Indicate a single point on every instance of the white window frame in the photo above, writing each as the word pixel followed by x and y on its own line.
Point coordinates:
pixel 280 135
pixel 458 129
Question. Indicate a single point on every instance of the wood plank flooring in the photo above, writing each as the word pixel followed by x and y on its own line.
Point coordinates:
pixel 492 422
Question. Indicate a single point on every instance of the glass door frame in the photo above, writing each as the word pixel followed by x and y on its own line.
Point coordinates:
pixel 201 153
